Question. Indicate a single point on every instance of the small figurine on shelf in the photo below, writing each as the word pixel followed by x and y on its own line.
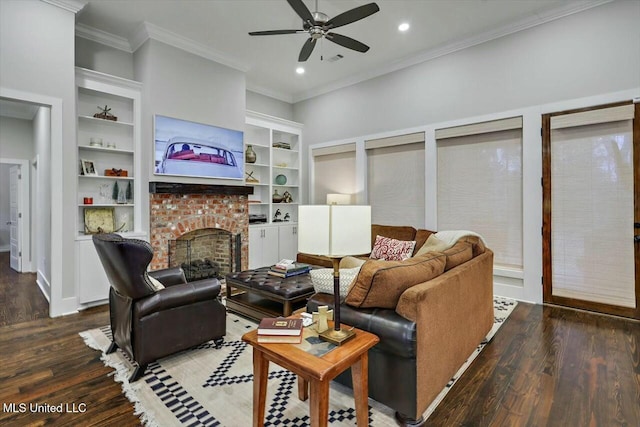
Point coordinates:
pixel 122 197
pixel 116 191
pixel 105 114
pixel 129 192
pixel 276 216
pixel 286 197
pixel 287 217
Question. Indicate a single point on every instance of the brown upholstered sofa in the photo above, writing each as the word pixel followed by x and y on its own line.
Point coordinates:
pixel 427 328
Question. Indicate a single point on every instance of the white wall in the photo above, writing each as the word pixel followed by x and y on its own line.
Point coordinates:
pixel 592 52
pixel 552 67
pixel 185 86
pixel 98 57
pixel 16 142
pixel 42 244
pixel 267 105
pixel 37 46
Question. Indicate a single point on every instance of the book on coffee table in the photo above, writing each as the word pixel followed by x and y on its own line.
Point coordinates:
pixel 280 339
pixel 282 326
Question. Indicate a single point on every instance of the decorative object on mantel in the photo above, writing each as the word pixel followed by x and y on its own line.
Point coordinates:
pixel 105 114
pixel 276 198
pixel 281 179
pixel 276 216
pixel 250 177
pixel 115 172
pixel 286 197
pixel 250 155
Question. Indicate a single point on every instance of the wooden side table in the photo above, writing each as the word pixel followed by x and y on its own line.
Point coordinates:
pixel 314 374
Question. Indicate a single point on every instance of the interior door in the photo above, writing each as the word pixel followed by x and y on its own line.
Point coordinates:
pixel 591 208
pixel 14 219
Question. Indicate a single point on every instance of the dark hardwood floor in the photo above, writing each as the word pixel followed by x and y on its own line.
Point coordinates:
pixel 546 366
pixel 20 297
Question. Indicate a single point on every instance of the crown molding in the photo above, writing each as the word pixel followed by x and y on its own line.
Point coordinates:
pixel 73 6
pixel 261 90
pixel 150 31
pixel 103 37
pixel 427 55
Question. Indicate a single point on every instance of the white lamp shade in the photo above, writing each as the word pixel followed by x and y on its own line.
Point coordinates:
pixel 334 230
pixel 338 199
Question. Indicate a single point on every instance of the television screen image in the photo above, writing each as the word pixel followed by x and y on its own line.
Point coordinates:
pixel 184 148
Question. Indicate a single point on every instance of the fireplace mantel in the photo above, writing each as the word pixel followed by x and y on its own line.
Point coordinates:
pixel 178 188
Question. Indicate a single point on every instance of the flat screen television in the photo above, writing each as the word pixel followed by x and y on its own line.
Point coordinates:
pixel 185 148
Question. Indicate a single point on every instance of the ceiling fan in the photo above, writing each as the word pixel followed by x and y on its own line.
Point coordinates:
pixel 319 26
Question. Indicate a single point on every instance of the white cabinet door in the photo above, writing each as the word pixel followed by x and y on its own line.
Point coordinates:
pixel 93 284
pixel 288 241
pixel 263 246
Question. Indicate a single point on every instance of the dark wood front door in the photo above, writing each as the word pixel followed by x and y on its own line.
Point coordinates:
pixel 591 208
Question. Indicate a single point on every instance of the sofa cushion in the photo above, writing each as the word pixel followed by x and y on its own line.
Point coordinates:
pixel 351 262
pixel 433 244
pixel 394 231
pixel 391 249
pixel 460 253
pixel 322 279
pixel 421 237
pixel 380 283
pixel 477 245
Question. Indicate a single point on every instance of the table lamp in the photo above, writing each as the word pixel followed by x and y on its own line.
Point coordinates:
pixel 338 199
pixel 335 231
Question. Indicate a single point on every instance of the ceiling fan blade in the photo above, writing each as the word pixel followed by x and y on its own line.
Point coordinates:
pixel 306 50
pixel 301 10
pixel 347 42
pixel 274 32
pixel 352 15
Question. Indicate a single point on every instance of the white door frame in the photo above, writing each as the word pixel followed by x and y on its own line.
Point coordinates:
pixel 24 231
pixel 58 304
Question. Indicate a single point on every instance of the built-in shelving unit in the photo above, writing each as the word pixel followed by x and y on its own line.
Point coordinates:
pixel 276 170
pixel 106 145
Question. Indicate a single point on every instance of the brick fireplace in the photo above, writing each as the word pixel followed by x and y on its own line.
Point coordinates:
pixel 178 209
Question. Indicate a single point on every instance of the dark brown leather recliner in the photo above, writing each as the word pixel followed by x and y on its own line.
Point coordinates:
pixel 148 324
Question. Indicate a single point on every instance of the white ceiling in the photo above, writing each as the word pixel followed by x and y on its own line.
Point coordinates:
pixel 218 29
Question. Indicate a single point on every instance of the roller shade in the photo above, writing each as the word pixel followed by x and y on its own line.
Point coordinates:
pixel 410 138
pixel 480 128
pixel 336 149
pixel 592 117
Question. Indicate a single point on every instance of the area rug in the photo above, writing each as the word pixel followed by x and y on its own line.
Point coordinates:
pixel 205 386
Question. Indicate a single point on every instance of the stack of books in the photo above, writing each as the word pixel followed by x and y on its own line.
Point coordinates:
pixel 280 330
pixel 289 268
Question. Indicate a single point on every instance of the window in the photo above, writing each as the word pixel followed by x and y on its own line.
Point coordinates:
pixel 334 171
pixel 480 184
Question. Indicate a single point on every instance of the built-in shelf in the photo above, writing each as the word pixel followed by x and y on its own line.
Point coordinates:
pixel 129 178
pixel 103 205
pixel 104 149
pixel 104 121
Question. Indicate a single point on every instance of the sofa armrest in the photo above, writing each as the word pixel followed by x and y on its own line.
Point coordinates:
pixel 453 313
pixel 169 276
pixel 178 295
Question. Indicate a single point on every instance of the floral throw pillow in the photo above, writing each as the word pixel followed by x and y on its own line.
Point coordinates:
pixel 390 249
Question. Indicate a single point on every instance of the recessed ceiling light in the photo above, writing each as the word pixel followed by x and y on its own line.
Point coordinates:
pixel 300 70
pixel 403 27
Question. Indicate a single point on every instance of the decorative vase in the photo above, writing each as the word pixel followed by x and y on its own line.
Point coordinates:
pixel 276 198
pixel 281 179
pixel 250 155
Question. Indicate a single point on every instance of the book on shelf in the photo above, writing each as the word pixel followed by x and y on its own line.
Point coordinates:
pixel 280 339
pixel 270 326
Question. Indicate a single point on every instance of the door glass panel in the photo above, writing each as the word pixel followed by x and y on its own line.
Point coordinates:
pixel 592 213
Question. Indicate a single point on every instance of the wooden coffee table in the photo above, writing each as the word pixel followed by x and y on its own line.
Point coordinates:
pixel 314 373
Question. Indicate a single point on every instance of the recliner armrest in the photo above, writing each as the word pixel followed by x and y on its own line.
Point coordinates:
pixel 169 276
pixel 177 296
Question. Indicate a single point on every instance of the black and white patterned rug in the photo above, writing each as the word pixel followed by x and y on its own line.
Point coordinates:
pixel 208 387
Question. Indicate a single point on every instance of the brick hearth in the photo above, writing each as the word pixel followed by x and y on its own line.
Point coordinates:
pixel 173 215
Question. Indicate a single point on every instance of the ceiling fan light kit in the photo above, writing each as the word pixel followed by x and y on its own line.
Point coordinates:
pixel 318 25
